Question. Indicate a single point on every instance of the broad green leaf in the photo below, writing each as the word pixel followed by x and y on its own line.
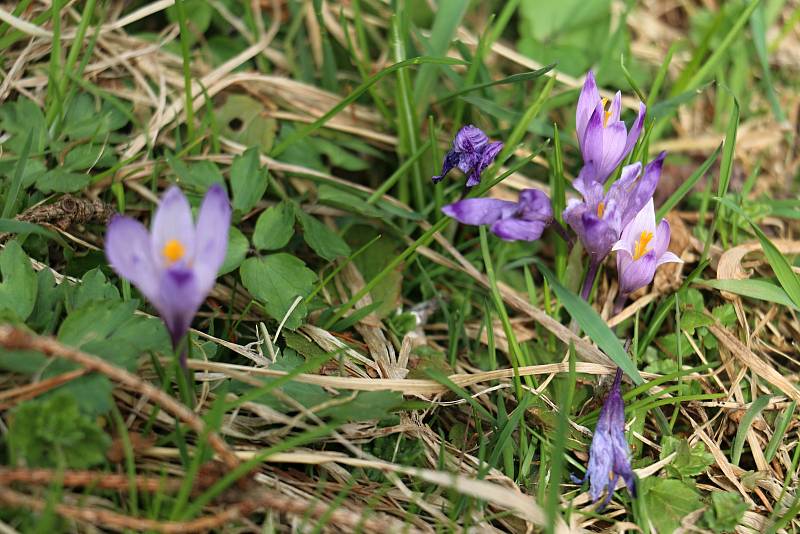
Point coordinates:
pixel 199 174
pixel 274 227
pixel 237 250
pixel 347 201
pixel 669 501
pixel 60 180
pixel 94 287
pixel 726 511
pixel 21 118
pixel 689 461
pixel 248 180
pixel 324 241
pixel 277 281
pixel 19 286
pixel 594 325
pixel 241 119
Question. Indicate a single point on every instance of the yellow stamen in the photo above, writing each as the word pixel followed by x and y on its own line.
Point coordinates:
pixel 173 250
pixel 611 476
pixel 601 209
pixel 640 248
pixel 604 101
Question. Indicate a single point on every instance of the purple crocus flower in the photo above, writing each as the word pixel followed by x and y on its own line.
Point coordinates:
pixel 640 250
pixel 472 153
pixel 599 218
pixel 524 220
pixel 175 264
pixel 609 455
pixel 603 138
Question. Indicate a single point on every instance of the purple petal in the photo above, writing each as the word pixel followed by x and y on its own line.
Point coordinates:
pixel 598 236
pixel 592 147
pixel 477 211
pixel 588 187
pixel 178 301
pixel 587 102
pixel 634 274
pixel 613 150
pixel 668 257
pixel 601 463
pixel 518 229
pixel 450 161
pixel 636 129
pixel 535 205
pixel 473 177
pixel 489 154
pixel 644 189
pixel 213 223
pixel 129 253
pixel 172 222
pixel 661 238
pixel 614 109
pixel 470 139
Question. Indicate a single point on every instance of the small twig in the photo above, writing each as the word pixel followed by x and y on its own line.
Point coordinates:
pixel 96 479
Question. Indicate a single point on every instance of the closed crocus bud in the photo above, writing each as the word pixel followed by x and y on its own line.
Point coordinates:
pixel 472 153
pixel 174 265
pixel 640 250
pixel 609 454
pixel 603 138
pixel 524 220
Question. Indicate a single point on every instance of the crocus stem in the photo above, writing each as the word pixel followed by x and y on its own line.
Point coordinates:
pixel 562 232
pixel 588 282
pixel 619 303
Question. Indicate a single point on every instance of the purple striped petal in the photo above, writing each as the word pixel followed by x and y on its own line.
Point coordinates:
pixel 634 274
pixel 450 161
pixel 636 129
pixel 470 139
pixel 535 205
pixel 178 301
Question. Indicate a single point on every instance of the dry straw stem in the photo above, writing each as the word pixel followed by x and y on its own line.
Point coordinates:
pixel 13 338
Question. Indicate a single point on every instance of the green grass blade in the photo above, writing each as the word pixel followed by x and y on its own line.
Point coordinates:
pixel 744 425
pixel 687 185
pixel 781 424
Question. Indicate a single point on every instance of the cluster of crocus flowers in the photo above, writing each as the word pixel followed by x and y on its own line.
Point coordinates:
pixel 174 265
pixel 472 153
pixel 609 454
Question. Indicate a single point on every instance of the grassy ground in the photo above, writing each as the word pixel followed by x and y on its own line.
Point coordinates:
pixel 364 363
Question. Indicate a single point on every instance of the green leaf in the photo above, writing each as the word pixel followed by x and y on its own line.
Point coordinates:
pixel 274 227
pixel 368 405
pixel 594 325
pixel 199 174
pixel 19 286
pixel 94 287
pixel 669 501
pixel 333 196
pixel 241 119
pixel 60 180
pixel 51 432
pixel 780 265
pixel 276 281
pixel 324 241
pixel 744 426
pixel 726 511
pixel 689 461
pixel 237 251
pixel 692 319
pixel 248 180
pixel 754 289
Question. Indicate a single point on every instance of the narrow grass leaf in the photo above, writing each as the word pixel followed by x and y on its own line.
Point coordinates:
pixel 687 185
pixel 744 426
pixel 781 424
pixel 755 289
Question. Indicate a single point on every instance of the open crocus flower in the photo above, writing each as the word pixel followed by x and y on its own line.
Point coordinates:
pixel 472 153
pixel 609 455
pixel 512 221
pixel 599 218
pixel 175 264
pixel 640 250
pixel 603 138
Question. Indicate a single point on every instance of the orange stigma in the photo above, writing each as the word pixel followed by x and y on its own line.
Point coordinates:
pixel 640 248
pixel 173 251
pixel 601 209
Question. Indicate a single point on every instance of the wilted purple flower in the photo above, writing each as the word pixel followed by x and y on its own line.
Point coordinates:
pixel 609 455
pixel 512 221
pixel 176 263
pixel 472 153
pixel 603 138
pixel 641 248
pixel 599 218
